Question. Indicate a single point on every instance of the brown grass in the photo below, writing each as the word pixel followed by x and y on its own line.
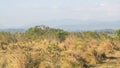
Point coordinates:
pixel 72 53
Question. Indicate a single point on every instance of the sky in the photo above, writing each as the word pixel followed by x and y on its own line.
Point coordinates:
pixel 18 13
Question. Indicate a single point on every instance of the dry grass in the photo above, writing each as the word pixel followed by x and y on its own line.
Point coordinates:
pixel 72 53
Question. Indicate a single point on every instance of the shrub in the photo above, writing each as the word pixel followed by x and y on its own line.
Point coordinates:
pixel 61 35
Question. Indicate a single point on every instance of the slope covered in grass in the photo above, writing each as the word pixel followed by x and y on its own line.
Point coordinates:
pixel 44 47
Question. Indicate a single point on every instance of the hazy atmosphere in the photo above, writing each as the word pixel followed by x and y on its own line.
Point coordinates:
pixel 27 13
pixel 59 33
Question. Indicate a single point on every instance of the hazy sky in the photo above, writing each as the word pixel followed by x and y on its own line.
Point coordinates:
pixel 16 13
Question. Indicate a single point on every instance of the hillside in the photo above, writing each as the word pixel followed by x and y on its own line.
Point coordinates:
pixel 45 47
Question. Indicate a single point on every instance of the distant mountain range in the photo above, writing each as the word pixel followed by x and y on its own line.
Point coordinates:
pixel 72 25
pixel 90 25
pixel 12 30
pixel 78 25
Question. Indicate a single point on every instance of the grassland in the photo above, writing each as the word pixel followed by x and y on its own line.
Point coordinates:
pixel 44 47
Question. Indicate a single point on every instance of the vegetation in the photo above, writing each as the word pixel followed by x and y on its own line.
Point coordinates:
pixel 45 47
pixel 118 34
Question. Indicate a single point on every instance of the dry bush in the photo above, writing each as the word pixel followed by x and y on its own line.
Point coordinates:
pixel 12 61
pixel 74 52
pixel 46 64
pixel 106 47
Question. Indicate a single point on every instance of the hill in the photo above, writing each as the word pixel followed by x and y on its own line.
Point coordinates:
pixel 45 47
